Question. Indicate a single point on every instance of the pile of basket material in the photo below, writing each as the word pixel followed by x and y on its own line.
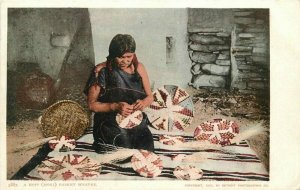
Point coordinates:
pixel 170 114
pixel 235 104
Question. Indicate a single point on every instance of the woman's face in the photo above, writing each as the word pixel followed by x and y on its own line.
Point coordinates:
pixel 125 60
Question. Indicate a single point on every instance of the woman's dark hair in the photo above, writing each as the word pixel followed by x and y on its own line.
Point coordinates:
pixel 120 44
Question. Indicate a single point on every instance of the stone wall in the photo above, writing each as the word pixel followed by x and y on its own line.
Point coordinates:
pixel 231 55
pixel 250 51
pixel 209 50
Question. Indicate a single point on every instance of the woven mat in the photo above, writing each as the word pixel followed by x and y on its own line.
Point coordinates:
pixel 235 162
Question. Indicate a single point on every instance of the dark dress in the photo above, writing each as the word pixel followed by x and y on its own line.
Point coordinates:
pixel 119 86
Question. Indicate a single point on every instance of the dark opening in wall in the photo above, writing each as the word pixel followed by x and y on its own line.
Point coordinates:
pixel 170 49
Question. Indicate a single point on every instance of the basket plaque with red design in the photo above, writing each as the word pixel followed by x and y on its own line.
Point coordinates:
pixel 147 164
pixel 187 172
pixel 171 140
pixel 64 144
pixel 130 121
pixel 171 110
pixel 218 131
pixel 69 167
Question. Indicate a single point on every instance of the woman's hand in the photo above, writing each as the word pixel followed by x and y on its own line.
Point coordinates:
pixel 139 105
pixel 125 109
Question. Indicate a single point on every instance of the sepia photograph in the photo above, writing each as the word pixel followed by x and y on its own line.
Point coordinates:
pixel 143 94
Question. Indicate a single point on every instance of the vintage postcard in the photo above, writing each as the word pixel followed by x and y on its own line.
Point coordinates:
pixel 172 95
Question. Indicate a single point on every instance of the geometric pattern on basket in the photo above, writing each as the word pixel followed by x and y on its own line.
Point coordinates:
pixel 218 131
pixel 178 157
pixel 171 140
pixel 172 109
pixel 147 164
pixel 69 167
pixel 187 172
pixel 64 118
pixel 64 144
pixel 130 121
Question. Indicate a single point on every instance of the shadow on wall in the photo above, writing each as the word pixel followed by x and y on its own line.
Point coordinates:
pixel 50 54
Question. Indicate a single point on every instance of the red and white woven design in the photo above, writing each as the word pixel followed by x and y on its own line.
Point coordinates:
pixel 171 140
pixel 172 109
pixel 178 157
pixel 187 172
pixel 64 144
pixel 69 167
pixel 146 163
pixel 130 121
pixel 218 131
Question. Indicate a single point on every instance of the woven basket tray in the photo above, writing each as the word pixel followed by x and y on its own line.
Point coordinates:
pixel 171 110
pixel 66 118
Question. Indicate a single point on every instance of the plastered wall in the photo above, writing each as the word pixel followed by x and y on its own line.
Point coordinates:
pixel 150 28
